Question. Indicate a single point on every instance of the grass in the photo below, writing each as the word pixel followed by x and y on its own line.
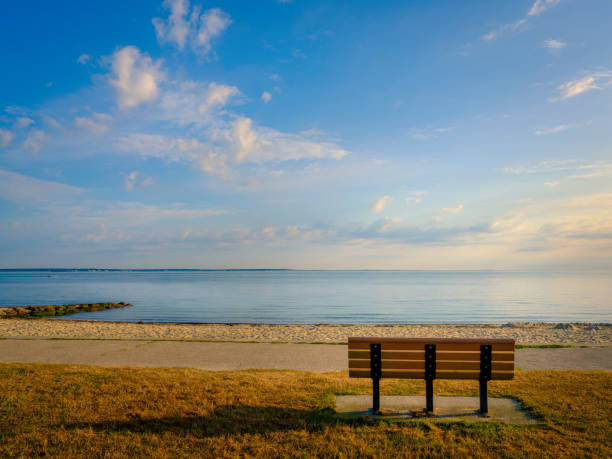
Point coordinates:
pixel 80 411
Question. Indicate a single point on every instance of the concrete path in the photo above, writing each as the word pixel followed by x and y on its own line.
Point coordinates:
pixel 240 356
pixel 453 408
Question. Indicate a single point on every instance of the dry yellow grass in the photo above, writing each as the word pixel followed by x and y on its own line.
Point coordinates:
pixel 80 411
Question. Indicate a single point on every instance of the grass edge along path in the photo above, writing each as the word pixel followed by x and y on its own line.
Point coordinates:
pixel 82 411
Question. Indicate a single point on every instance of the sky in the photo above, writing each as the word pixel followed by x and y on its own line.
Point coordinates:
pixel 306 134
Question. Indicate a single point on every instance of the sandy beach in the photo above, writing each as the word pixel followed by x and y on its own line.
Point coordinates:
pixel 523 333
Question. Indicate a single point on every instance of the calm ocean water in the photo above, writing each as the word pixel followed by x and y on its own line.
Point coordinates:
pixel 320 296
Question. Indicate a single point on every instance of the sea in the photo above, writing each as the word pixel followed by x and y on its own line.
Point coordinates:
pixel 318 297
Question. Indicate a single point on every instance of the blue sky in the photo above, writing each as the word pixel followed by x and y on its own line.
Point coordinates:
pixel 306 134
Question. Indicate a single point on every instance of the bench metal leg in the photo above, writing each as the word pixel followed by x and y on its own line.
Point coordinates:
pixel 375 395
pixel 429 395
pixel 375 374
pixel 484 403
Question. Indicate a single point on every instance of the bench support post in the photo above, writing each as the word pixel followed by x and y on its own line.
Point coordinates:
pixel 375 396
pixel 429 395
pixel 484 403
pixel 430 375
pixel 485 375
pixel 375 373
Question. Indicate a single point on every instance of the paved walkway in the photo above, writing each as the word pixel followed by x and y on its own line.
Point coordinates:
pixel 240 356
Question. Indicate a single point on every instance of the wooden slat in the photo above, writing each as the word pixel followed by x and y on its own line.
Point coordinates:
pixel 375 339
pixel 440 366
pixel 409 374
pixel 473 346
pixel 420 355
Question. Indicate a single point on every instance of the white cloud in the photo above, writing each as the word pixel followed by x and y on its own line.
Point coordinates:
pixel 6 137
pixel 554 45
pixel 555 129
pixel 33 141
pixel 540 6
pixel 98 123
pixel 453 210
pixel 23 122
pixel 379 205
pixel 217 96
pixel 137 77
pixel 582 85
pixel 266 97
pixel 21 189
pixel 185 26
pixel 177 28
pixel 52 122
pixel 264 144
pixel 134 178
pixel 227 145
pixel 551 184
pixel 212 24
pixel 83 59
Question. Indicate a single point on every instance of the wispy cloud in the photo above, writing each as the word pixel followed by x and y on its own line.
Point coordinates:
pixel 453 210
pixel 553 45
pixel 512 27
pixel 135 178
pixel 98 123
pixel 266 97
pixel 186 27
pixel 6 137
pixel 380 204
pixel 83 59
pixel 23 122
pixel 34 141
pixel 556 129
pixel 234 143
pixel 540 6
pixel 414 197
pixel 24 189
pixel 577 169
pixel 587 83
pixel 536 8
pixel 217 96
pixel 428 133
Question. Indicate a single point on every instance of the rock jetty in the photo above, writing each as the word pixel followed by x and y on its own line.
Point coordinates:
pixel 47 310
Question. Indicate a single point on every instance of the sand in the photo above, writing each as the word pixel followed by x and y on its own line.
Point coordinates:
pixel 523 333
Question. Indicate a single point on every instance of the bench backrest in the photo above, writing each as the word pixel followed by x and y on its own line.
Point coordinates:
pixel 455 358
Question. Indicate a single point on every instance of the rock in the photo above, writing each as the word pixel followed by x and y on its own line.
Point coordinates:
pixel 562 326
pixel 509 325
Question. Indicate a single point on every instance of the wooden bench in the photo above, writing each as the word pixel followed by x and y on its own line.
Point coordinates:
pixel 429 359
